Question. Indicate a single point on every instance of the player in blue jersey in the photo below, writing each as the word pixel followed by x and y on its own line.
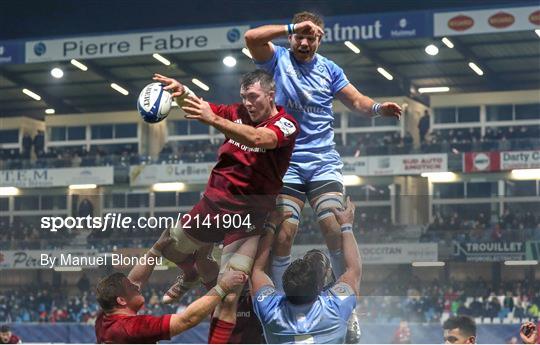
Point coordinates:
pixel 307 312
pixel 306 85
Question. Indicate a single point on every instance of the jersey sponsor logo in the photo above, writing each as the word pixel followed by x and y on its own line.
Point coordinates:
pixel 296 106
pixel 265 293
pixel 342 290
pixel 286 126
pixel 246 148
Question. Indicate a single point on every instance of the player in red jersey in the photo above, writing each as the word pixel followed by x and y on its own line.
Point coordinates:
pixel 120 299
pixel 7 337
pixel 243 185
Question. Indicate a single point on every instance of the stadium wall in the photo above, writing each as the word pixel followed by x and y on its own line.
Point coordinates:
pixel 371 333
pixel 484 98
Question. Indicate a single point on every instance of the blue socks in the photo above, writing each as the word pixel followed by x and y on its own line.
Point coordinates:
pixel 279 265
pixel 337 261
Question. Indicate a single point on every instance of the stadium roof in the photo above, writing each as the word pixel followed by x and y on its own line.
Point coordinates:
pixel 510 61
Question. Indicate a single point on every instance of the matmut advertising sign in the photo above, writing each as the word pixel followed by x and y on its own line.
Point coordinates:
pixel 486 21
pixel 142 43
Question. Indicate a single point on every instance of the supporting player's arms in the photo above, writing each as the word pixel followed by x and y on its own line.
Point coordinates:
pixel 528 333
pixel 140 274
pixel 351 254
pixel 202 307
pixel 359 103
pixel 259 278
pixel 258 40
pixel 198 109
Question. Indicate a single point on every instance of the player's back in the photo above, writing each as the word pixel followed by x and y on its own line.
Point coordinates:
pixel 323 321
pixel 124 329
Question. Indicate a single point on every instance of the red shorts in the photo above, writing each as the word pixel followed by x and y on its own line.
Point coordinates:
pixel 207 223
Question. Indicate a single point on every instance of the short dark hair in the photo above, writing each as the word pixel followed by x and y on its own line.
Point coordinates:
pixel 4 329
pixel 305 16
pixel 465 324
pixel 264 78
pixel 320 263
pixel 298 282
pixel 109 288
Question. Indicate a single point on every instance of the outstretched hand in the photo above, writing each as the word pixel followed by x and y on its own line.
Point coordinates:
pixel 390 109
pixel 174 86
pixel 197 109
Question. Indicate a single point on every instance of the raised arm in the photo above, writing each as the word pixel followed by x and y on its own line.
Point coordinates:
pixel 361 104
pixel 259 278
pixel 351 254
pixel 197 109
pixel 258 40
pixel 140 274
pixel 202 307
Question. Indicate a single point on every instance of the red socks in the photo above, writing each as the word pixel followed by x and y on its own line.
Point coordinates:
pixel 220 331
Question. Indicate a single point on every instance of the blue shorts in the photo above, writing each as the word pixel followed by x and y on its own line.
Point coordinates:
pixel 309 166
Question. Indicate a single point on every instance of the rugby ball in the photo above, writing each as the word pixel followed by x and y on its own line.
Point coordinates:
pixel 154 103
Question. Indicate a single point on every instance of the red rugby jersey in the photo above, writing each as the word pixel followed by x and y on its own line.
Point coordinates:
pixel 132 329
pixel 247 178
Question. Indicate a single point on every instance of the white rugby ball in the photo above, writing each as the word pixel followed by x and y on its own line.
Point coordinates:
pixel 154 103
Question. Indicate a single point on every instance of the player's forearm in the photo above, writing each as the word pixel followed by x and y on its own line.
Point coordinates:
pixel 264 34
pixel 194 313
pixel 363 105
pixel 259 277
pixel 244 134
pixel 351 254
pixel 140 274
pixel 263 251
pixel 355 101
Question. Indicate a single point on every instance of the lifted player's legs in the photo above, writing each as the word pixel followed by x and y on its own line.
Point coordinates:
pixel 330 228
pixel 182 253
pixel 238 256
pixel 281 257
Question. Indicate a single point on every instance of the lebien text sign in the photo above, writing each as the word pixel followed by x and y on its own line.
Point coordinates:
pixel 145 175
pixel 91 47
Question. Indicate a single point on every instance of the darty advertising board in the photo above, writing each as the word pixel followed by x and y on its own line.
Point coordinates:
pixel 497 161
